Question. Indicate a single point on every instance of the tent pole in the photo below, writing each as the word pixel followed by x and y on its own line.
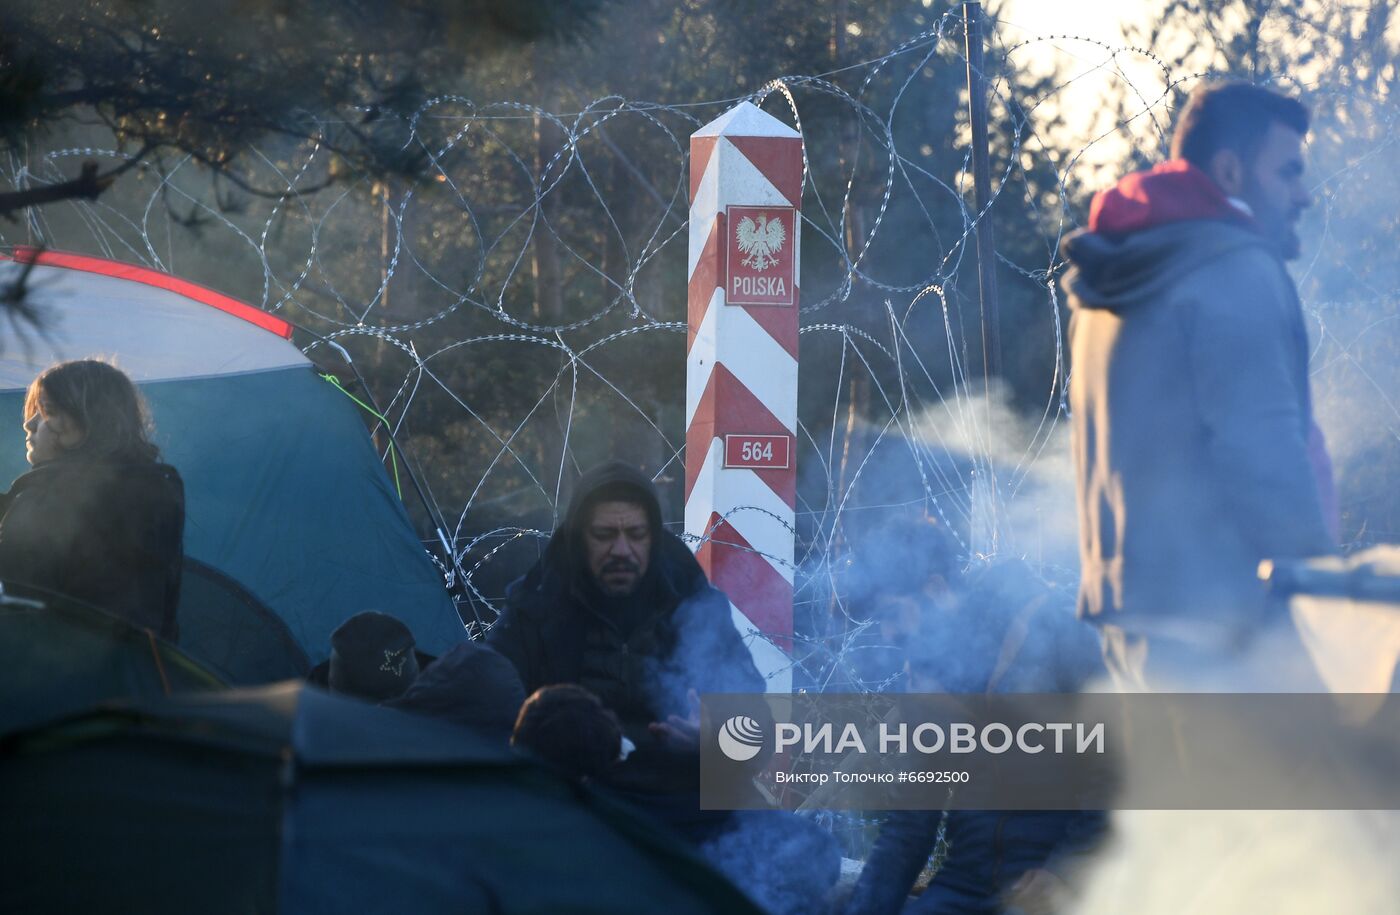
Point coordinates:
pixel 435 516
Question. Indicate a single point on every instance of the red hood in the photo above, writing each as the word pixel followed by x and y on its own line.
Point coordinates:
pixel 1174 191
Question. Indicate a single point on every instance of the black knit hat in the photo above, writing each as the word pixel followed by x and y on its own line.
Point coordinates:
pixel 372 657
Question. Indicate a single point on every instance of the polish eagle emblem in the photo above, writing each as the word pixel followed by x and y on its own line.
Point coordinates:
pixel 761 241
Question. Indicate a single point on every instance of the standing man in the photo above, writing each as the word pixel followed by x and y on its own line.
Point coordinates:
pixel 620 606
pixel 1195 451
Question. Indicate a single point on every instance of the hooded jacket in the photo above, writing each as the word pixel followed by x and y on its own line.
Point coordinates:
pixel 107 531
pixel 1191 413
pixel 639 655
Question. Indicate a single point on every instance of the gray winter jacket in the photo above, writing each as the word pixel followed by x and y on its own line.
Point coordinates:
pixel 1190 419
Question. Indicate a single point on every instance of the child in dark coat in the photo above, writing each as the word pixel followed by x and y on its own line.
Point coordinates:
pixel 99 517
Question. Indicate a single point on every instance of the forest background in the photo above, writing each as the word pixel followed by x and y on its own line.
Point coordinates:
pixel 485 204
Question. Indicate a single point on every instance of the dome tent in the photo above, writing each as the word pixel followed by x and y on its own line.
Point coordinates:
pixel 289 799
pixel 292 524
pixel 60 657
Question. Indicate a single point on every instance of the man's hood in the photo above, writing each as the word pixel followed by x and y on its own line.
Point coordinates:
pixel 672 570
pixel 1149 228
pixel 605 481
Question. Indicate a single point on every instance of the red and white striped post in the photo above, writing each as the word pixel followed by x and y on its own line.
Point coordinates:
pixel 741 372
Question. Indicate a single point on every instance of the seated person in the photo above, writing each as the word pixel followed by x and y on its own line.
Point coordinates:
pixel 1004 634
pixel 470 685
pixel 373 657
pixel 567 727
pixel 619 606
pixel 900 572
pixel 99 517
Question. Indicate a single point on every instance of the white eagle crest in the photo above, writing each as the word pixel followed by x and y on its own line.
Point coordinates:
pixel 761 241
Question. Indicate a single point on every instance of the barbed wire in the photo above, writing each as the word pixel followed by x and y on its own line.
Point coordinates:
pixel 519 204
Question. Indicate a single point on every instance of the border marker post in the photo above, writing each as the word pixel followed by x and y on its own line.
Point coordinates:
pixel 746 177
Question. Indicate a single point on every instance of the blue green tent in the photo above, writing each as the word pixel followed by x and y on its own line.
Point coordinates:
pixel 61 657
pixel 290 799
pixel 292 523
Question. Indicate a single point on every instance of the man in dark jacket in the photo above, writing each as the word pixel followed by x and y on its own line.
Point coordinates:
pixel 619 606
pixel 1195 451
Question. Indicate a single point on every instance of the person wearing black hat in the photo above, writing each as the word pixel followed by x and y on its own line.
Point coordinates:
pixel 619 606
pixel 373 657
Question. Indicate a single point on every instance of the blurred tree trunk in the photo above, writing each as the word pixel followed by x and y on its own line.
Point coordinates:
pixel 544 263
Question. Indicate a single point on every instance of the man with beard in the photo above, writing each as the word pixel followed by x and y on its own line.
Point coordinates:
pixel 1195 451
pixel 619 606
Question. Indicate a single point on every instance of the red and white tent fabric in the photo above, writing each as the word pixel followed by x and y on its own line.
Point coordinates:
pixel 157 326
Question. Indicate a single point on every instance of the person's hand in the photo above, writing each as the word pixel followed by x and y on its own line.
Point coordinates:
pixel 681 733
pixel 1037 892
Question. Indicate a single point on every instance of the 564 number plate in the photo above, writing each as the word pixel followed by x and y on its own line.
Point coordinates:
pixel 758 452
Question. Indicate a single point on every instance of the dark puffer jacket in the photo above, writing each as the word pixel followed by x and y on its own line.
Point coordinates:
pixel 640 655
pixel 108 532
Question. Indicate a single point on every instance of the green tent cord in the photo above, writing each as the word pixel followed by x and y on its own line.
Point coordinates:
pixel 393 445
